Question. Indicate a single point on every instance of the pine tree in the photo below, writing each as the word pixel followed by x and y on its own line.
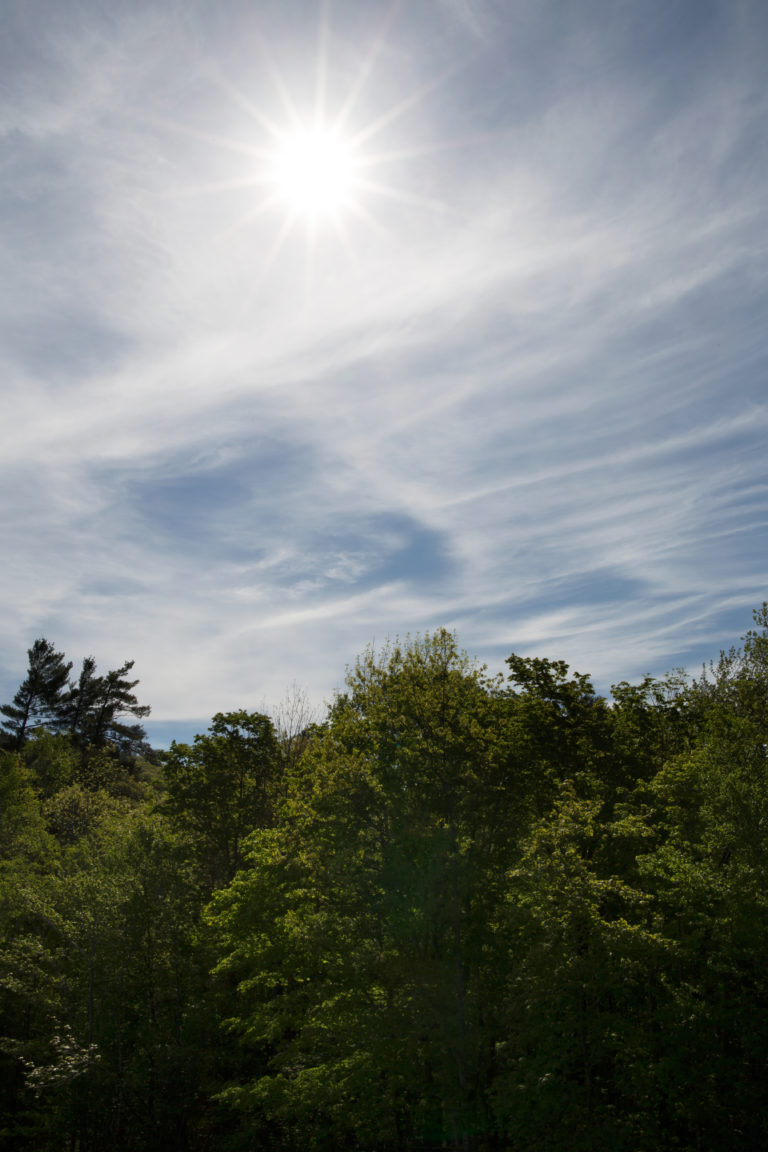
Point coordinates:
pixel 93 708
pixel 76 705
pixel 39 697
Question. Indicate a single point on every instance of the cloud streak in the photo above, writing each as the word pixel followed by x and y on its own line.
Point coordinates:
pixel 529 403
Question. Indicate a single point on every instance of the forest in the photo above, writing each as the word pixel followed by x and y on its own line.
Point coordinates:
pixel 463 910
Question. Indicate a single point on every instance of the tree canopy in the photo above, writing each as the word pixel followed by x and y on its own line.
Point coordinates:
pixel 461 911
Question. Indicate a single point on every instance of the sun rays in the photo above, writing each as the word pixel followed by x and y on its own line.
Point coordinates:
pixel 313 163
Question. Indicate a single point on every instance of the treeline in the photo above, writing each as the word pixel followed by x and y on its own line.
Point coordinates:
pixel 464 911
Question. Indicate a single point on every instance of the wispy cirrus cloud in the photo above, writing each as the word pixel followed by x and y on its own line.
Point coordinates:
pixel 525 397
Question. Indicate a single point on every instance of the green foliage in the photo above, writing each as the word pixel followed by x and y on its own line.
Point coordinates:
pixel 53 762
pixel 356 934
pixel 462 912
pixel 583 964
pixel 562 730
pixel 222 787
pixel 22 827
pixel 101 982
pixel 651 722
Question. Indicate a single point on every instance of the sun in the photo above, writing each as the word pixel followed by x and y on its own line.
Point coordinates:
pixel 317 161
pixel 315 171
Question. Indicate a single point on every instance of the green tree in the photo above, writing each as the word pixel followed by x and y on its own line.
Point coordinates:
pixel 106 1025
pixel 39 697
pixel 582 965
pixel 52 760
pixel 562 729
pixel 22 826
pixel 357 932
pixel 222 787
pixel 651 722
pixel 27 855
pixel 94 709
pixel 708 875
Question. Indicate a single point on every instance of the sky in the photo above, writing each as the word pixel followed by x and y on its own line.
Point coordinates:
pixel 505 375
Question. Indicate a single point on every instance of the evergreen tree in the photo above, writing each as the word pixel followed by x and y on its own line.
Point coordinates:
pixel 94 707
pixel 40 696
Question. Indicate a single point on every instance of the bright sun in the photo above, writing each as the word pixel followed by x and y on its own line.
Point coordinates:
pixel 320 170
pixel 314 171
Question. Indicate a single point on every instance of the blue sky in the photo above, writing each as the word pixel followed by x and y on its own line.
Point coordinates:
pixel 515 386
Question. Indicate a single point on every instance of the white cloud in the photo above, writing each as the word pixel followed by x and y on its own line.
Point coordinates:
pixel 529 406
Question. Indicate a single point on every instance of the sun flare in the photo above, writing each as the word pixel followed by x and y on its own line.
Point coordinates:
pixel 318 162
pixel 314 172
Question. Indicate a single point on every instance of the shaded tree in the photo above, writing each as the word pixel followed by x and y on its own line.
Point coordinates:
pixel 356 931
pixel 462 912
pixel 95 708
pixel 39 698
pixel 222 787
